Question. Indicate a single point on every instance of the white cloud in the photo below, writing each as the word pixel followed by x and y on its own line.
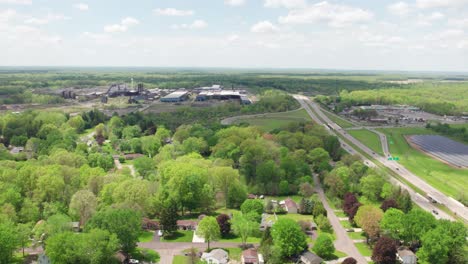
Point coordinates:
pixel 7 15
pixel 124 25
pixel 333 14
pixel 461 23
pixel 399 8
pixel 427 20
pixel 197 24
pixel 264 27
pixel 81 6
pixel 234 2
pixel 232 38
pixel 47 19
pixel 285 3
pixel 16 2
pixel 173 12
pixel 440 3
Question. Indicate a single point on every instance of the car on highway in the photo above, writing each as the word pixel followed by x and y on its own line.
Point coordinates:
pixel 435 212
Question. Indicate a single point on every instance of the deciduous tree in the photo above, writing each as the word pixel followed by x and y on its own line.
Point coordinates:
pixel 324 246
pixel 384 251
pixel 288 237
pixel 208 228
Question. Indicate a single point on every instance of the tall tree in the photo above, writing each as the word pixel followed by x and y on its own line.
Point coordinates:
pixel 252 205
pixel 8 242
pixel 384 251
pixel 208 228
pixel 324 246
pixel 243 227
pixel 83 203
pixel 168 217
pixel 288 237
pixel 391 222
pixel 125 223
pixel 224 224
pixel 368 217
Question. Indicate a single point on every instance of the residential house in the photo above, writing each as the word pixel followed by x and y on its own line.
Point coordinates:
pixel 187 224
pixel 406 256
pixel 290 206
pixel 216 256
pixel 251 256
pixel 308 257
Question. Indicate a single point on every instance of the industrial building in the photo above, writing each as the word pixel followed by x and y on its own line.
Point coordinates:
pixel 175 97
pixel 223 95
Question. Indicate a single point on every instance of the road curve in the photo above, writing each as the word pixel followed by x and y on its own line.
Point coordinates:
pixel 418 199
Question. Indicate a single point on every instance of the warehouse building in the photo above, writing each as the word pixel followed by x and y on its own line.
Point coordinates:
pixel 177 96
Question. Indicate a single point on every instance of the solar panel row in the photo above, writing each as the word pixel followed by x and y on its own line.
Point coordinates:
pixel 451 151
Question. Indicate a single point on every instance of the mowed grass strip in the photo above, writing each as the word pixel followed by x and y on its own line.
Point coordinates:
pixel 368 138
pixel 338 119
pixel 449 180
pixel 179 236
pixel 364 249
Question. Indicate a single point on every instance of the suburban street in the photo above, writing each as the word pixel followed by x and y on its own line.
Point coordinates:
pixel 342 243
pixel 421 201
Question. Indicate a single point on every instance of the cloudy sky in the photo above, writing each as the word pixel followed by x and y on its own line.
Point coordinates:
pixel 334 34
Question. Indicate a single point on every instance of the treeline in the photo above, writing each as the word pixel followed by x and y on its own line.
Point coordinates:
pixel 456 132
pixel 441 99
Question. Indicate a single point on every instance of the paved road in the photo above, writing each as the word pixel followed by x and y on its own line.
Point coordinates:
pixel 342 243
pixel 418 199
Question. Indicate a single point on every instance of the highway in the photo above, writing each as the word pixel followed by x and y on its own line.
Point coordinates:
pixel 421 201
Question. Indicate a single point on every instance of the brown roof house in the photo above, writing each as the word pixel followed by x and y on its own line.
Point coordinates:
pixel 290 206
pixel 251 256
pixel 187 224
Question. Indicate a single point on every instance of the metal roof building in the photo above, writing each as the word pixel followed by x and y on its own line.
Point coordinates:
pixel 177 96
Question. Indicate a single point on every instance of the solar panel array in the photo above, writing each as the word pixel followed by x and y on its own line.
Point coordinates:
pixel 451 151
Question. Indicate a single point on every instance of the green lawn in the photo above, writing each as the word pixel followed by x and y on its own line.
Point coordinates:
pixel 296 198
pixel 145 236
pixel 180 260
pixel 356 235
pixel 338 120
pixel 364 249
pixel 146 255
pixel 234 238
pixel 368 138
pixel 340 214
pixel 179 236
pixel 451 181
pixel 273 121
pixel 295 217
pixel 234 253
pixel 346 224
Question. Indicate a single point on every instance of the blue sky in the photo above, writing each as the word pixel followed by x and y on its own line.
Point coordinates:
pixel 355 34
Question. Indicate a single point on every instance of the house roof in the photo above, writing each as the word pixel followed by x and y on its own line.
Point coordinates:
pixel 250 255
pixel 405 252
pixel 290 203
pixel 187 223
pixel 310 258
pixel 218 254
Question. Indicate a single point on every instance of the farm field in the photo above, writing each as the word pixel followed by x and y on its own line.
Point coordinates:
pixel 449 180
pixel 368 138
pixel 273 121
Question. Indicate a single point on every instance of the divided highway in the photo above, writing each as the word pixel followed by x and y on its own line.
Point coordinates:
pixel 453 205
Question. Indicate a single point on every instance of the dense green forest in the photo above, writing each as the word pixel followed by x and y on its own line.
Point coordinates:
pixel 437 98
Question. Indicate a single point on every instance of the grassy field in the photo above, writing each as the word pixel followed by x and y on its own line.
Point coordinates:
pixel 356 235
pixel 180 260
pixel 338 120
pixel 179 236
pixel 368 138
pixel 451 181
pixel 364 249
pixel 273 121
pixel 234 238
pixel 145 236
pixel 346 224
